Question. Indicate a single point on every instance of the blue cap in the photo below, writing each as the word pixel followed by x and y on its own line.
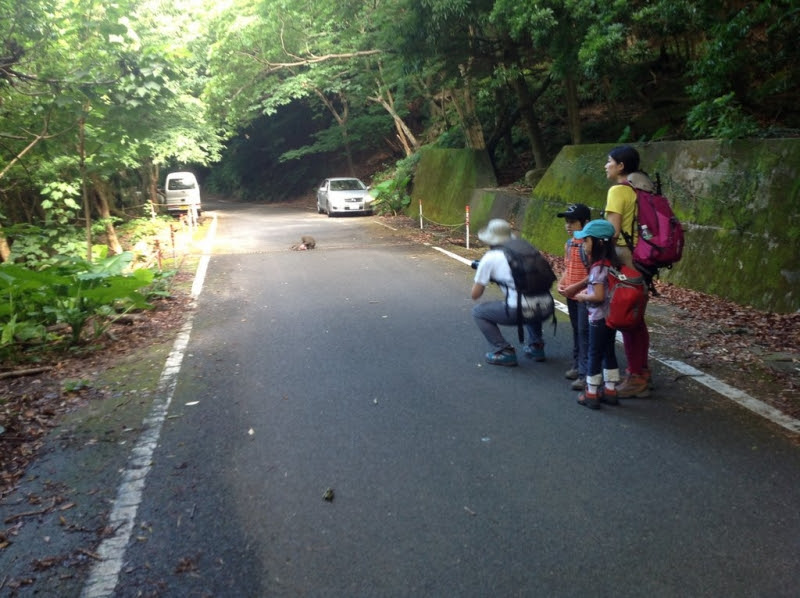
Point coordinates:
pixel 599 229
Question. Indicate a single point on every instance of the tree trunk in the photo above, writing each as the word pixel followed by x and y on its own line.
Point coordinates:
pixel 87 211
pixel 346 136
pixel 102 194
pixel 504 124
pixel 525 102
pixel 150 174
pixel 465 108
pixel 5 249
pixel 383 96
pixel 341 120
pixel 573 112
pixel 464 102
pixel 404 134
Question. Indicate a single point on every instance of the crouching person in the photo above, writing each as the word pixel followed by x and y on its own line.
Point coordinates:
pixel 490 315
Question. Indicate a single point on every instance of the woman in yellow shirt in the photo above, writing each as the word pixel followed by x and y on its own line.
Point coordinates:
pixel 622 169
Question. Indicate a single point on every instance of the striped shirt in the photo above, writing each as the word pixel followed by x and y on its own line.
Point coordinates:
pixel 574 269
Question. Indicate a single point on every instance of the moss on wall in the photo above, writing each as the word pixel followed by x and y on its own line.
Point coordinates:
pixel 738 202
pixel 445 180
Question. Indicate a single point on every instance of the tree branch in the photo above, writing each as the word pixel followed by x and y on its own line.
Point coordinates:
pixel 273 67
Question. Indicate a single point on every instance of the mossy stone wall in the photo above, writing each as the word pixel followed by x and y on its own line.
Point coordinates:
pixel 738 201
pixel 445 181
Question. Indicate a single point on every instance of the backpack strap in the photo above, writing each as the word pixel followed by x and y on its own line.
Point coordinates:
pixel 628 236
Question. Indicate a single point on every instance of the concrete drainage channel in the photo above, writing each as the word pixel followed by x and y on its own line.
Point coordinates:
pixel 742 398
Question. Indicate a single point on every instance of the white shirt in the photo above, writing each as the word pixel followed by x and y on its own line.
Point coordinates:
pixel 494 267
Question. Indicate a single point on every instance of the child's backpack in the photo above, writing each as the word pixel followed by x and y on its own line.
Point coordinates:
pixel 531 272
pixel 660 239
pixel 628 295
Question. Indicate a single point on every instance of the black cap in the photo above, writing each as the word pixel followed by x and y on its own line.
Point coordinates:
pixel 576 211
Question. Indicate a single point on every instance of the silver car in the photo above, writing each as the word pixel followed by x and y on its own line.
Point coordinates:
pixel 343 195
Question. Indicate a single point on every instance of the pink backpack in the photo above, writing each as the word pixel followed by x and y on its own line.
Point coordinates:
pixel 660 239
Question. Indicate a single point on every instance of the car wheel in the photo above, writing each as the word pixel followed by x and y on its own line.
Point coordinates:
pixel 319 209
pixel 330 213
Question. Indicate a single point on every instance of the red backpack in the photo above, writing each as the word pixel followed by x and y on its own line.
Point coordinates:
pixel 628 295
pixel 660 238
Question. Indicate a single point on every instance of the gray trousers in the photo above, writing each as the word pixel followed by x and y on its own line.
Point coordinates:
pixel 490 315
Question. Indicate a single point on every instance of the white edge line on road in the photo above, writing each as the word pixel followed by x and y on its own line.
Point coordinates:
pixel 383 224
pixel 734 394
pixel 104 575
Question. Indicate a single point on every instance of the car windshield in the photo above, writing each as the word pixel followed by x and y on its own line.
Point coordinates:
pixel 178 184
pixel 347 185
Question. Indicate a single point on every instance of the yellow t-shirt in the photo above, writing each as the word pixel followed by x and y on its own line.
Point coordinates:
pixel 622 200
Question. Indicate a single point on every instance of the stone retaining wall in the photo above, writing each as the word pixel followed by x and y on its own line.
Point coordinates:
pixel 738 201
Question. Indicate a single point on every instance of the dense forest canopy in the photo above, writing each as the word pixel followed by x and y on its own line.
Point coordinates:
pixel 99 99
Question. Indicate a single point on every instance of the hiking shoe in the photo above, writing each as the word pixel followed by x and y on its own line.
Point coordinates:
pixel 589 399
pixel 578 384
pixel 502 357
pixel 636 385
pixel 649 375
pixel 571 374
pixel 609 397
pixel 535 351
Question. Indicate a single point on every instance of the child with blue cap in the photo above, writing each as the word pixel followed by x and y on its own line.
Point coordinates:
pixel 602 374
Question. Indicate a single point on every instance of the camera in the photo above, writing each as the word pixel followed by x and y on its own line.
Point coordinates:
pixel 474 264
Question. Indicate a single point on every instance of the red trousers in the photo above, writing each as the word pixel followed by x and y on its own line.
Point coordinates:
pixel 637 346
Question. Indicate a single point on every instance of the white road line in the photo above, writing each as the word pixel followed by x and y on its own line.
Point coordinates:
pixel 718 386
pixel 104 575
pixel 383 224
pixel 455 256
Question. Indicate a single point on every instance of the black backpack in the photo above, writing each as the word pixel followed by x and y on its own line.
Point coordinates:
pixel 531 272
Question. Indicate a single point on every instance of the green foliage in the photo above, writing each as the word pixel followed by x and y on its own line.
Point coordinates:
pixel 746 68
pixel 391 196
pixel 721 118
pixel 452 138
pixel 38 247
pixel 75 385
pixel 625 136
pixel 90 92
pixel 145 228
pixel 70 292
pixel 392 193
pixel 60 203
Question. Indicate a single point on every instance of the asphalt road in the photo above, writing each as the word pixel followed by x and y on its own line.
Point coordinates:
pixel 356 367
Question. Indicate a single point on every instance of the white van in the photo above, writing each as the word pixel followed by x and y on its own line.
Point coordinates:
pixel 181 192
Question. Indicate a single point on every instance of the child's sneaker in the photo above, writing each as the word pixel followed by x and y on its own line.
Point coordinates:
pixel 609 397
pixel 571 374
pixel 589 399
pixel 636 385
pixel 505 356
pixel 535 351
pixel 578 383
